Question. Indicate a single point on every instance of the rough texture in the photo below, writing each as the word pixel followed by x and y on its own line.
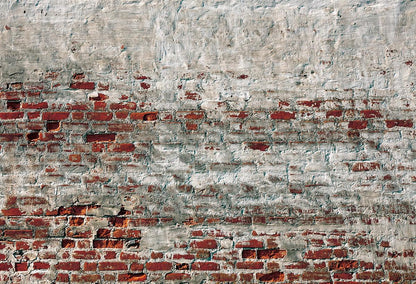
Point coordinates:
pixel 217 141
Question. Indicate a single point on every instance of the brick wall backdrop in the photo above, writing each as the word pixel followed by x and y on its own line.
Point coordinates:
pixel 207 141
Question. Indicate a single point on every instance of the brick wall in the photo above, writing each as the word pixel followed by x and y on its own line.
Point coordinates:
pixel 246 142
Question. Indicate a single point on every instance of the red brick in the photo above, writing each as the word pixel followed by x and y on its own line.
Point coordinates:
pixel 191 126
pixel 238 220
pixel 78 76
pixel 223 277
pixel 124 147
pixel 68 266
pixel 13 105
pixel 365 166
pixel 12 95
pixel 132 277
pixel 292 277
pixel 77 115
pixel 247 277
pixel 334 242
pixel 249 254
pixel 206 244
pixel 271 277
pixel 202 254
pixel 122 114
pixel 53 126
pixel 145 116
pixel 192 96
pixel 80 254
pixel 270 253
pixel 315 275
pixel 261 146
pixel 197 233
pixel 334 113
pixel 68 243
pixel 156 255
pixel 32 200
pixel 370 113
pixel 18 234
pixel 77 106
pixel 99 116
pixel 12 212
pixel 55 115
pixel 41 265
pixel 11 115
pixel 126 233
pixel 144 85
pixel 273 266
pixel 4 266
pixel 112 266
pixel 120 127
pixel 60 277
pixel 144 222
pixel 315 104
pixel 343 275
pixel 193 115
pixel 182 266
pixel 402 277
pixel 118 221
pixel 90 266
pixel 98 97
pixel 85 278
pixel 135 266
pixel 408 253
pixel 399 123
pixel 108 243
pixel 283 115
pixel 39 245
pixel 395 276
pixel 205 266
pixel 100 105
pixel 384 244
pixel 21 266
pixel 129 255
pixel 83 85
pixel 110 254
pixel 249 265
pixel 156 266
pixel 183 256
pixel 109 278
pixel 128 105
pixel 177 276
pixel 319 254
pixel 76 158
pixel 342 264
pixel 105 137
pixel 41 233
pixel 340 253
pixel 357 124
pixel 76 221
pixel 370 275
pixel 41 105
pixel 240 114
pixel 409 275
pixel 47 136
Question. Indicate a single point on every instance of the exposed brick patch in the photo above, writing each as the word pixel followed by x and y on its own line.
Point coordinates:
pixel 83 85
pixel 283 115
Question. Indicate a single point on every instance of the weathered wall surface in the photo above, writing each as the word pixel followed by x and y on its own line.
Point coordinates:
pixel 218 141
